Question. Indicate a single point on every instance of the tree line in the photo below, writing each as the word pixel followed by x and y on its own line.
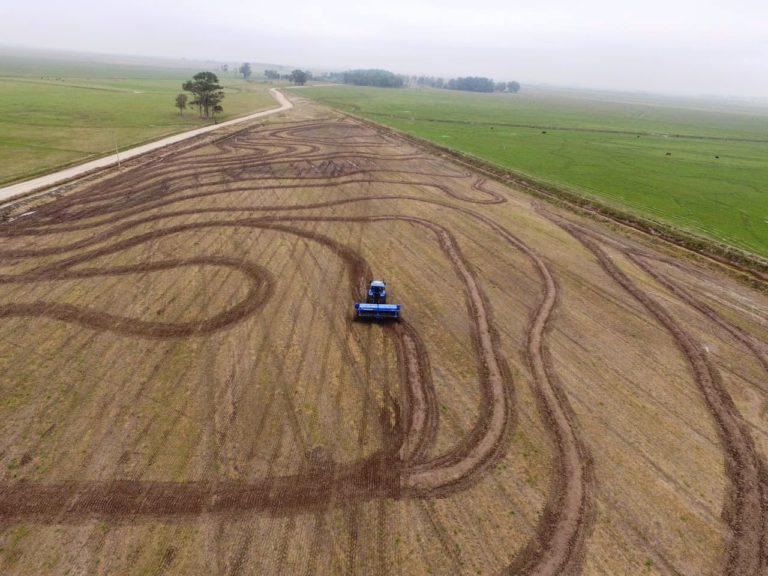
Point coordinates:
pixel 366 77
pixel 298 77
pixel 467 83
pixel 373 77
pixel 207 94
pixel 387 79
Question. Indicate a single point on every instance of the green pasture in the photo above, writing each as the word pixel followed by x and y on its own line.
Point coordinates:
pixel 695 164
pixel 54 113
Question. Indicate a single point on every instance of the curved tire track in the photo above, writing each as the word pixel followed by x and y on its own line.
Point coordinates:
pixel 746 511
pixel 405 472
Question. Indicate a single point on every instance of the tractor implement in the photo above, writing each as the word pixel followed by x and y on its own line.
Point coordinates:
pixel 375 307
pixel 377 311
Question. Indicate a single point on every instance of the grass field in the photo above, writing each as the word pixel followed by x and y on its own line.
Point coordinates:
pixel 701 166
pixel 54 113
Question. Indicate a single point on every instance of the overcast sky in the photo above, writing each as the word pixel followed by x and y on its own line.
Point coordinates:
pixel 666 46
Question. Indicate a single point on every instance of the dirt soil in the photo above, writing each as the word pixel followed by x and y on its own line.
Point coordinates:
pixel 185 389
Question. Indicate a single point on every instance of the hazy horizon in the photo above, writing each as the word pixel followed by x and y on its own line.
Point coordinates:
pixel 681 49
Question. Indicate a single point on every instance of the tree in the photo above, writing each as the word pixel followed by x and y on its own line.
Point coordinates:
pixel 380 78
pixel 181 103
pixel 245 70
pixel 299 77
pixel 513 86
pixel 471 84
pixel 430 81
pixel 272 74
pixel 206 91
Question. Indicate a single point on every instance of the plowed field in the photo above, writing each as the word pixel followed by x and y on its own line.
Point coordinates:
pixel 185 389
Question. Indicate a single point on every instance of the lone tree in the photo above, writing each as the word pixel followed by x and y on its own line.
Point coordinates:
pixel 181 103
pixel 513 86
pixel 245 70
pixel 207 93
pixel 299 77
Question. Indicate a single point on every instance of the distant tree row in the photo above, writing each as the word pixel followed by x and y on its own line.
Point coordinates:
pixel 374 77
pixel 468 83
pixel 298 77
pixel 380 78
pixel 471 84
pixel 386 79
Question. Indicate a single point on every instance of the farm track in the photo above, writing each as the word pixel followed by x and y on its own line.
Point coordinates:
pixel 140 207
pixel 747 507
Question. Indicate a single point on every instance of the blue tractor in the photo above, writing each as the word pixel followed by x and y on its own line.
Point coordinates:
pixel 375 306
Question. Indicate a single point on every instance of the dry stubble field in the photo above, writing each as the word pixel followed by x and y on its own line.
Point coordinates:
pixel 185 391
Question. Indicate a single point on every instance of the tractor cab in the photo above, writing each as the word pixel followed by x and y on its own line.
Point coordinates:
pixel 377 293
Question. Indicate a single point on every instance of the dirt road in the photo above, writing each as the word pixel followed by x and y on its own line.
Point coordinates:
pixel 185 389
pixel 20 189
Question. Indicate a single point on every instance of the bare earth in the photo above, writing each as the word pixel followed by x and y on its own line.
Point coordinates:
pixel 185 390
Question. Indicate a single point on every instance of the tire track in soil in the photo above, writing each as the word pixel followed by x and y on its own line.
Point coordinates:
pixel 210 526
pixel 358 272
pixel 320 533
pixel 158 203
pixel 131 192
pixel 321 530
pixel 448 244
pixel 236 398
pixel 246 540
pixel 261 286
pixel 306 252
pixel 481 447
pixel 640 257
pixel 486 440
pixel 217 522
pixel 340 328
pixel 450 550
pixel 746 508
pixel 363 381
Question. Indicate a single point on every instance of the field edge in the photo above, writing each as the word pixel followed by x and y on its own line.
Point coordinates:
pixel 744 265
pixel 122 148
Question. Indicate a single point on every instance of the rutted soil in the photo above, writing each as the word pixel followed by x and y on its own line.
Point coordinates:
pixel 244 185
pixel 747 507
